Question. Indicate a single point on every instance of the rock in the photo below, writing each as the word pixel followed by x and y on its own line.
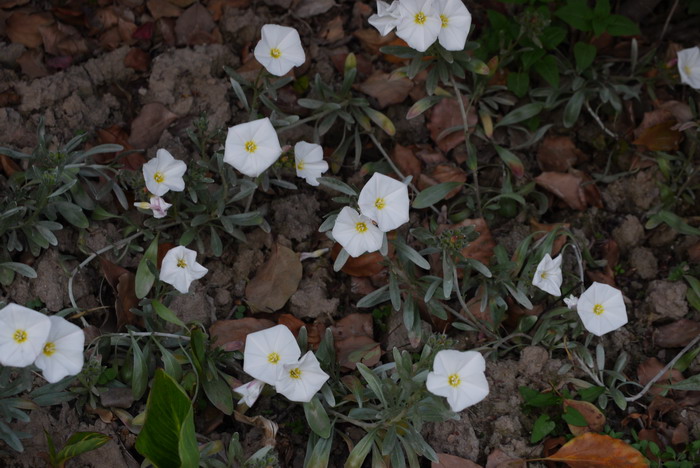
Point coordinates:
pixel 454 437
pixel 629 233
pixel 634 193
pixel 532 360
pixel 296 216
pixel 311 299
pixel 195 306
pixel 644 263
pixel 396 335
pixel 666 299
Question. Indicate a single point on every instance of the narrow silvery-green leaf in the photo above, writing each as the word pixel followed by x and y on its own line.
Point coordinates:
pixel 317 418
pixel 144 277
pixel 359 453
pixel 434 194
pixel 166 313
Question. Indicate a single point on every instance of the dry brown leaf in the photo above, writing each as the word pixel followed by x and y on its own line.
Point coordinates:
pixel 231 334
pixel 480 249
pixel 149 125
pixel 499 459
pixel 333 30
pixel 694 253
pixel 123 283
pixel 61 39
pixel 385 89
pixel 648 369
pixel 573 188
pixel 367 264
pixel 137 59
pixel 679 110
pixel 558 242
pixel 354 341
pixel 216 7
pixel 8 165
pixel 452 461
pixel 309 8
pixel 32 63
pixel 592 415
pixel 558 154
pixel 680 435
pixel 275 281
pixel 660 137
pixel 116 134
pixel 598 451
pixel 5 4
pixel 447 115
pixel 163 8
pixel 291 322
pixel 676 334
pixel 443 173
pixel 406 161
pixel 195 26
pixel 372 41
pixel 23 28
pixel 268 427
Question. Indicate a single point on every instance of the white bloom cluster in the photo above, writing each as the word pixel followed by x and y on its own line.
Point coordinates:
pixel 162 174
pixel 383 204
pixel 422 22
pixel 272 356
pixel 53 344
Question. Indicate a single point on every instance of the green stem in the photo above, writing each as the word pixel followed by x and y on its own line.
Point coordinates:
pixel 310 118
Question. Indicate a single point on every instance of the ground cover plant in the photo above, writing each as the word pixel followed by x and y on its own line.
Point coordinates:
pixel 314 233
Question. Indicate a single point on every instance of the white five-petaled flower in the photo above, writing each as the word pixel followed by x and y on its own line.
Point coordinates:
pixel 300 380
pixel 356 233
pixel 386 18
pixel 689 66
pixel 250 392
pixel 266 351
pixel 157 205
pixel 420 23
pixel 164 173
pixel 384 200
pixel 279 49
pixel 252 147
pixel 602 309
pixel 548 276
pixel 458 376
pixel 180 268
pixel 62 353
pixel 455 21
pixel 23 333
pixel 308 161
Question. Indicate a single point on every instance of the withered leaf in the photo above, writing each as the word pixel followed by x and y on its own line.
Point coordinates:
pixel 231 334
pixel 480 249
pixel 367 264
pixel 149 125
pixel 275 281
pixel 32 63
pixel 558 153
pixel 660 137
pixel 163 8
pixel 123 283
pixel 445 117
pixel 453 461
pixel 23 27
pixel 137 59
pixel 195 26
pixel 372 41
pixel 598 451
pixel 648 369
pixel 406 161
pixel 676 334
pixel 594 418
pixel 575 188
pixel 558 242
pixel 499 459
pixel 354 341
pixel 443 173
pixel 385 89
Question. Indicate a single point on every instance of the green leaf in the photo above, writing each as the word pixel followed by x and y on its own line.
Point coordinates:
pixel 373 382
pixel 218 392
pixel 673 220
pixel 144 277
pixel 320 454
pixel 338 185
pixel 411 254
pixel 689 384
pixel 381 120
pixel 574 417
pixel 584 54
pixel 521 113
pixel 619 25
pixel 73 214
pixel 240 94
pixel 21 268
pixel 577 14
pixel 422 105
pixel 573 108
pixel 166 313
pixel 81 442
pixel 542 427
pixel 548 69
pixel 518 82
pixel 317 418
pixel 434 194
pixel 167 438
pixel 511 160
pixel 139 377
pixel 529 58
pixel 359 453
pixel 375 297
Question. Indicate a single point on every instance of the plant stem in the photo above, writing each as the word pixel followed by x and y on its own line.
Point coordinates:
pixel 465 129
pixel 466 310
pixel 310 118
pixel 351 420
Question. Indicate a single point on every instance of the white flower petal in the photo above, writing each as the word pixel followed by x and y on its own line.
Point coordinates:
pixel 385 200
pixel 23 333
pixel 300 381
pixel 285 44
pixel 252 147
pixel 458 376
pixel 602 309
pixel 179 268
pixel 356 242
pixel 259 346
pixel 250 392
pixel 689 66
pixel 164 173
pixel 548 276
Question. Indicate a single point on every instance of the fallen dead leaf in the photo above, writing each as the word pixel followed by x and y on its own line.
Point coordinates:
pixel 117 135
pixel 195 26
pixel 23 28
pixel 309 8
pixel 499 459
pixel 137 59
pixel 354 341
pixel 32 63
pixel 231 334
pixel 8 165
pixel 291 322
pixel 558 154
pixel 660 137
pixel 61 39
pixel 598 451
pixel 480 249
pixel 452 461
pixel 574 188
pixel 268 427
pixel 216 7
pixel 443 173
pixel 367 264
pixel 406 161
pixel 372 41
pixel 123 283
pixel 5 4
pixel 592 415
pixel 676 334
pixel 333 30
pixel 163 8
pixel 445 117
pixel 648 369
pixel 558 242
pixel 149 125
pixel 275 281
pixel 385 89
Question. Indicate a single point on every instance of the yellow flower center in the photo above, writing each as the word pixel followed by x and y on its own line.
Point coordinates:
pixel 295 373
pixel 454 380
pixel 420 18
pixel 360 227
pixel 444 19
pixel 544 275
pixel 687 70
pixel 275 53
pixel 20 336
pixel 49 348
pixel 300 166
pixel 273 358
pixel 144 205
pixel 159 177
pixel 598 309
pixel 181 263
pixel 250 146
pixel 379 203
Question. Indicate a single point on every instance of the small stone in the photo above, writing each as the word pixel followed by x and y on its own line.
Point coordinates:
pixel 223 297
pixel 629 233
pixel 644 263
pixel 666 299
pixel 532 360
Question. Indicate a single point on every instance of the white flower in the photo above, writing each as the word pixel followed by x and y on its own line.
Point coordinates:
pixel 386 18
pixel 384 200
pixel 308 160
pixel 571 302
pixel 299 381
pixel 455 22
pixel 23 333
pixel 180 268
pixel 689 66
pixel 164 173
pixel 602 309
pixel 252 147
pixel 459 376
pixel 356 233
pixel 548 276
pixel 279 49
pixel 250 392
pixel 157 205
pixel 266 351
pixel 420 23
pixel 62 354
